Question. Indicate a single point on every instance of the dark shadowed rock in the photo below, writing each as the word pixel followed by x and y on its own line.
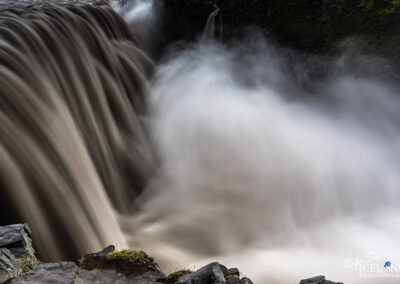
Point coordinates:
pixel 223 269
pixel 318 280
pixel 9 267
pixel 63 272
pixel 314 280
pixel 245 280
pixel 133 264
pixel 210 273
pixel 233 281
pixel 232 273
pixel 151 276
pixel 193 281
pixel 97 276
pixel 17 239
pixel 106 250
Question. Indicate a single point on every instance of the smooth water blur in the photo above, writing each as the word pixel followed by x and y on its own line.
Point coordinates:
pixel 283 164
pixel 259 173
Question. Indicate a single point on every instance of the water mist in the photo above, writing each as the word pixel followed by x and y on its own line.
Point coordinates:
pixel 281 163
pixel 259 172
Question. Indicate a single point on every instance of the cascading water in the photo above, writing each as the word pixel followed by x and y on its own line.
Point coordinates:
pixel 73 148
pixel 252 161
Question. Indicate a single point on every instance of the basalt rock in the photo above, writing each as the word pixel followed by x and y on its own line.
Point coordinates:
pixel 9 267
pixel 63 272
pixel 16 238
pixel 123 266
pixel 318 280
pixel 133 264
pixel 210 273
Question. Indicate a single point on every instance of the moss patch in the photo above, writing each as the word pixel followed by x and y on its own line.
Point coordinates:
pixel 26 263
pixel 134 257
pixel 128 262
pixel 173 277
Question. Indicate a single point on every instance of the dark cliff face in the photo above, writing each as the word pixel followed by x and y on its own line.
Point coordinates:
pixel 310 25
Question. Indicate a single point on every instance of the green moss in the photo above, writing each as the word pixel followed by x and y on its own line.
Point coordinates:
pixel 136 257
pixel 175 275
pixel 26 263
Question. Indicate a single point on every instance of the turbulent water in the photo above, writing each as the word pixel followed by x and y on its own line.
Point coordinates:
pixel 284 164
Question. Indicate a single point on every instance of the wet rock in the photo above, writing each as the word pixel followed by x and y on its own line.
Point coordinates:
pixel 245 280
pixel 210 273
pixel 151 276
pixel 63 272
pixel 106 250
pixel 131 263
pixel 97 276
pixel 232 273
pixel 314 280
pixel 17 239
pixel 9 267
pixel 318 280
pixel 233 281
pixel 223 269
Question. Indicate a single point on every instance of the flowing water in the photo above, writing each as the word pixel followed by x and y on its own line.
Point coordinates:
pixel 283 164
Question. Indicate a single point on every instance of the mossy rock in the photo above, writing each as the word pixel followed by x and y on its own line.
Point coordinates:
pixel 27 263
pixel 131 263
pixel 173 277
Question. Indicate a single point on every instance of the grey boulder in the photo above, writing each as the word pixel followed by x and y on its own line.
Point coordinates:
pixel 63 272
pixel 245 280
pixel 210 273
pixel 9 266
pixel 17 239
pixel 318 280
pixel 98 276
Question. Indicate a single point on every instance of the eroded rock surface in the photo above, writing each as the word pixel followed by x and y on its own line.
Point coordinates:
pixel 17 238
pixel 9 266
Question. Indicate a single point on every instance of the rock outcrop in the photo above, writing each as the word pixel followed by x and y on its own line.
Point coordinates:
pixel 9 266
pixel 17 238
pixel 318 280
pixel 106 266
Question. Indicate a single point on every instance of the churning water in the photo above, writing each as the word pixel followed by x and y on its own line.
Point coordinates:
pixel 283 164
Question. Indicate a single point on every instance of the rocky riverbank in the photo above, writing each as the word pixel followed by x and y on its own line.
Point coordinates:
pixel 18 264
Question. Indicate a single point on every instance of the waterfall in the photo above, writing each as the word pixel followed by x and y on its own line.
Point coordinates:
pixel 285 164
pixel 74 152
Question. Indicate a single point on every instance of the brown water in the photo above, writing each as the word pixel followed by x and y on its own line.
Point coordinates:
pixel 73 147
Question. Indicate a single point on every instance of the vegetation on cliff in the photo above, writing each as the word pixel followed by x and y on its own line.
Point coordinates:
pixel 309 25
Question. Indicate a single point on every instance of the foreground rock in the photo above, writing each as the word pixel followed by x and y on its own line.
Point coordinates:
pixel 135 265
pixel 9 266
pixel 318 280
pixel 17 238
pixel 211 273
pixel 106 266
pixel 63 272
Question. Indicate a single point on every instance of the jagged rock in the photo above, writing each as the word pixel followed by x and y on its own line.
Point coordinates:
pixel 233 281
pixel 314 280
pixel 17 239
pixel 224 269
pixel 98 276
pixel 63 272
pixel 9 267
pixel 133 264
pixel 210 273
pixel 232 273
pixel 318 280
pixel 106 250
pixel 245 280
pixel 151 276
